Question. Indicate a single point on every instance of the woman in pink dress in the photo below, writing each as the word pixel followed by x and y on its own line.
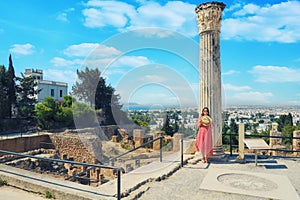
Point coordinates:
pixel 204 135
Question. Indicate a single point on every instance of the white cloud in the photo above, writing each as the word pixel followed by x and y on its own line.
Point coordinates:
pixel 153 78
pixel 230 72
pixel 278 22
pixel 248 9
pixel 132 61
pixel 244 22
pixel 174 15
pixel 250 98
pixel 268 74
pixel 230 87
pixel 63 17
pixel 85 49
pixel 100 56
pixel 153 32
pixel 102 13
pixel 22 49
pixel 232 7
pixel 61 62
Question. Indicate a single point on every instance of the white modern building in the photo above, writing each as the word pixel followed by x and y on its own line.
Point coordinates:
pixel 54 89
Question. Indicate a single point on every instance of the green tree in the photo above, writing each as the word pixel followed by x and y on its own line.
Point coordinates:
pixel 85 88
pixel 45 113
pixel 287 131
pixel 233 126
pixel 234 129
pixel 55 114
pixel 26 100
pixel 63 115
pixel 68 101
pixel 107 101
pixel 83 114
pixel 11 86
pixel 167 128
pixel 225 130
pixel 92 88
pixel 141 118
pixel 3 93
pixel 284 120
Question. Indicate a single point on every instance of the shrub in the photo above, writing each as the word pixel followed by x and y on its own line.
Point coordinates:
pixel 3 182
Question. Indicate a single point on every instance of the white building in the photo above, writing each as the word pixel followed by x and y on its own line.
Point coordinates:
pixel 54 89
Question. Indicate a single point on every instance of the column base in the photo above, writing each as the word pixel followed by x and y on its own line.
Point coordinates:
pixel 218 154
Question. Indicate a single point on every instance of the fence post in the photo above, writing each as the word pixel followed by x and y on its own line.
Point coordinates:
pixel 160 148
pixel 119 184
pixel 230 143
pixel 181 151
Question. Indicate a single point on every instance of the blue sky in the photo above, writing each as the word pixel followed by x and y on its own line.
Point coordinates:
pixel 149 50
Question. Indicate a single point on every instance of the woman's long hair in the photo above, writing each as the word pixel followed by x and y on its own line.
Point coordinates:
pixel 205 108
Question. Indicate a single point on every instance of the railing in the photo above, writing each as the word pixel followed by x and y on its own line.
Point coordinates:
pixel 143 145
pixel 118 169
pixel 231 145
pixel 181 148
pixel 160 148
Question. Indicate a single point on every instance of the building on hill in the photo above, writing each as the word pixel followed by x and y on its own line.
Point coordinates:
pixel 54 89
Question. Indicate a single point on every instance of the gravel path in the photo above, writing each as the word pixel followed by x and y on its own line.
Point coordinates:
pixel 11 193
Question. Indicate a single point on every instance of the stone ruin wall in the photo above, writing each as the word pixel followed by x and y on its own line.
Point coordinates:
pixel 296 142
pixel 84 145
pixel 80 147
pixel 23 144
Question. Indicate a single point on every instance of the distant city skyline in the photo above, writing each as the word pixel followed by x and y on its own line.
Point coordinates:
pixel 149 50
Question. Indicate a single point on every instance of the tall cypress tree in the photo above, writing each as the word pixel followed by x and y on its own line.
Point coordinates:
pixel 167 128
pixel 3 93
pixel 11 86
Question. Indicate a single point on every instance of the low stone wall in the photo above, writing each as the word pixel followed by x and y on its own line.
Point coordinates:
pixel 23 144
pixel 81 147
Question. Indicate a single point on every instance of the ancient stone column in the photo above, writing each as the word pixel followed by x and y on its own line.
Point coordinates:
pixel 275 142
pixel 176 141
pixel 209 16
pixel 138 137
pixel 156 144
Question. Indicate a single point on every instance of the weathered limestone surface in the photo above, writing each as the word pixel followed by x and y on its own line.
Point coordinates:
pixel 81 147
pixel 276 143
pixel 209 16
pixel 296 142
pixel 138 137
pixel 23 144
pixel 156 144
pixel 176 141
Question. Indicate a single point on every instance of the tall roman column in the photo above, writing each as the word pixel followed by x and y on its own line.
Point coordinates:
pixel 209 16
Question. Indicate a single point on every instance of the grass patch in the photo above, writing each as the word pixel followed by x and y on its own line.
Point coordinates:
pixel 49 195
pixel 3 182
